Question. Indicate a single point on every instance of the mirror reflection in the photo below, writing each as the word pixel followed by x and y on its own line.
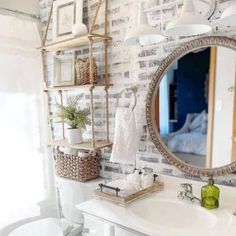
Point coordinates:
pixel 195 107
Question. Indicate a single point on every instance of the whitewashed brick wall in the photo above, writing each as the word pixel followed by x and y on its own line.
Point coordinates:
pixel 131 66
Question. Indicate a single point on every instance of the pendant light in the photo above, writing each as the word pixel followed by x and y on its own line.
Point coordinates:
pixel 143 33
pixel 229 16
pixel 189 23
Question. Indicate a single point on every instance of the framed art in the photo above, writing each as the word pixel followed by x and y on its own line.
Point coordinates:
pixel 64 70
pixel 64 17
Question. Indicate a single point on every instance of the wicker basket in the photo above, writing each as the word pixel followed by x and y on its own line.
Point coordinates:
pixel 83 71
pixel 78 168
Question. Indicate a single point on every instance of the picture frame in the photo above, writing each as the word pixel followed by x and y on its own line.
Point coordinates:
pixel 64 17
pixel 64 70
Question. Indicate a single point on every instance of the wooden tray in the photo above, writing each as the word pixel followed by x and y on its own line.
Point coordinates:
pixel 123 201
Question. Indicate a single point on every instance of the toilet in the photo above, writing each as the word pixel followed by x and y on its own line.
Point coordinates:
pixel 71 194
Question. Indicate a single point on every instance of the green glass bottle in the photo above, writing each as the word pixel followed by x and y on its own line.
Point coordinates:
pixel 210 195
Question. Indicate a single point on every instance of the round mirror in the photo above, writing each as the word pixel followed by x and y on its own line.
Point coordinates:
pixel 191 107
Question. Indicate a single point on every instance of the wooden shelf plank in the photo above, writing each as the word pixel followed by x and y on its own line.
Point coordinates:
pixel 73 43
pixel 84 146
pixel 73 87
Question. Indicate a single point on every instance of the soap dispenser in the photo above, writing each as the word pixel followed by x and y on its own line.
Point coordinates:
pixel 210 195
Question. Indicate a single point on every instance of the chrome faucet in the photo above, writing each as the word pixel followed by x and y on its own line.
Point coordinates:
pixel 187 194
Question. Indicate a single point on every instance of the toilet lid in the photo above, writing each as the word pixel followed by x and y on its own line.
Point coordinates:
pixel 44 227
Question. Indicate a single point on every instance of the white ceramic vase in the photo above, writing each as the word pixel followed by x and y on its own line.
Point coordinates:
pixel 147 180
pixel 79 29
pixel 74 136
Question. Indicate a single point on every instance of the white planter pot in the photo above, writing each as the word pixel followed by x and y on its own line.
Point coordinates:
pixel 74 136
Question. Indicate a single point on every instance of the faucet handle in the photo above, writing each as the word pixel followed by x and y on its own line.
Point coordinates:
pixel 187 187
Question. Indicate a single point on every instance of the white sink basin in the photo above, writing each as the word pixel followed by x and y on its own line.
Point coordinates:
pixel 162 214
pixel 173 214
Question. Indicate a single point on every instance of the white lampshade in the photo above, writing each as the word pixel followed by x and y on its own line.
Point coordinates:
pixel 143 34
pixel 132 37
pixel 229 16
pixel 189 23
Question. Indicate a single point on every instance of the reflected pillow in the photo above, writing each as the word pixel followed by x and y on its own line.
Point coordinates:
pixel 196 123
pixel 196 130
pixel 204 123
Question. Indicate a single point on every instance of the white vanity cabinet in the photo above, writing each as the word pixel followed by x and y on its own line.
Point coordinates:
pixel 94 226
pixel 161 214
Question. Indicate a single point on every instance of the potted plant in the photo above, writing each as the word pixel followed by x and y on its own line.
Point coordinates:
pixel 74 117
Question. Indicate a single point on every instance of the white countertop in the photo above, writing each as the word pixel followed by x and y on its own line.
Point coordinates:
pixel 225 223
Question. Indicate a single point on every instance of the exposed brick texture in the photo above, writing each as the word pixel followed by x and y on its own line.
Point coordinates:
pixel 129 66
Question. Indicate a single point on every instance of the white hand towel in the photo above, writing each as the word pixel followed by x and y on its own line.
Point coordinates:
pixel 125 142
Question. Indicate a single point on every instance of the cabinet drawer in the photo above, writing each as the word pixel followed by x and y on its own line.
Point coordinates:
pixel 123 232
pixel 94 226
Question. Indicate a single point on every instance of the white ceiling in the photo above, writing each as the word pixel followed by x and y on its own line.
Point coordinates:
pixel 28 6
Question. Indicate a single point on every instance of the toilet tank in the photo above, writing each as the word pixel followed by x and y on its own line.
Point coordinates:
pixel 73 193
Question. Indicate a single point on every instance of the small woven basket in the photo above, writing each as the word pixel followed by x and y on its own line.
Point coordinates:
pixel 78 168
pixel 83 71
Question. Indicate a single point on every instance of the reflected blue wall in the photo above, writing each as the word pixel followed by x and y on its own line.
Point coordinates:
pixel 190 78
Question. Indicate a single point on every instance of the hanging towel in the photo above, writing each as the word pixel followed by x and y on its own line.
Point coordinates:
pixel 125 142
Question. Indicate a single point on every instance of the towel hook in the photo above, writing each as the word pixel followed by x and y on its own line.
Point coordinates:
pixel 134 91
